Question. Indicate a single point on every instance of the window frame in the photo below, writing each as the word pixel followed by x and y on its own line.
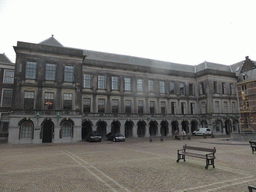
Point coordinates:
pixel 101 82
pixel 9 100
pixel 68 74
pixel 31 72
pixel 67 102
pixel 51 70
pixel 8 79
pixel 26 100
pixel 162 87
pixel 139 85
pixel 127 84
pixel 87 81
pixel 114 83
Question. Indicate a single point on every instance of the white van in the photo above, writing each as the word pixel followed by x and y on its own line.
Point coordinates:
pixel 202 131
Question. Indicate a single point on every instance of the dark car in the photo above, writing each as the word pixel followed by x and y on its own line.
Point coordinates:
pixel 93 136
pixel 115 137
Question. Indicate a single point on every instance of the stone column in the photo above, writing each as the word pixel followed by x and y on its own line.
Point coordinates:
pixel 147 130
pixel 37 131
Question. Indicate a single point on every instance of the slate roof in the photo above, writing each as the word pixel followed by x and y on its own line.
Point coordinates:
pixel 4 59
pixel 51 42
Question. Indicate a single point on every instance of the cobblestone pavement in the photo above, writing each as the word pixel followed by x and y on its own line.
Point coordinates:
pixel 133 165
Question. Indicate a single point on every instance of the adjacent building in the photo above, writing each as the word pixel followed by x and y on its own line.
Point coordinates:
pixel 60 94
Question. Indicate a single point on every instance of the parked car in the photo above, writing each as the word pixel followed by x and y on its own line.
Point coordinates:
pixel 202 131
pixel 93 136
pixel 115 137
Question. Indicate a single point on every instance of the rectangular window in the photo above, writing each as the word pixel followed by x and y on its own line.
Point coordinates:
pixel 128 106
pixel 139 85
pixel 217 107
pixel 163 107
pixel 215 88
pixel 182 89
pixel 101 106
pixel 127 84
pixel 30 70
pixel 115 106
pixel 67 101
pixel 87 105
pixel 172 88
pixel 7 98
pixel 192 108
pixel 152 107
pixel 114 83
pixel 5 122
pixel 162 88
pixel 201 88
pixel 232 90
pixel 203 106
pixel 101 82
pixel 191 89
pixel 140 107
pixel 244 89
pixel 8 76
pixel 233 107
pixel 50 72
pixel 150 85
pixel 68 73
pixel 49 100
pixel 87 81
pixel 173 108
pixel 224 91
pixel 225 107
pixel 183 108
pixel 29 100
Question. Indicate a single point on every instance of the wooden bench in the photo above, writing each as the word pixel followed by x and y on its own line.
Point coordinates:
pixel 253 146
pixel 197 152
pixel 251 188
pixel 156 137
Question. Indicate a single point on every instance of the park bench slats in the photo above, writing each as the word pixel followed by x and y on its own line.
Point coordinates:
pixel 253 146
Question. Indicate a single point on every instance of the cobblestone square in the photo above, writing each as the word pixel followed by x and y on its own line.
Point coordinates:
pixel 133 165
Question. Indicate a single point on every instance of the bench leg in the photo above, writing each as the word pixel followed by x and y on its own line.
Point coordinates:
pixel 181 157
pixel 209 162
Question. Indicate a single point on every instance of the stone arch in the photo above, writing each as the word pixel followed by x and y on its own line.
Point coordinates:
pixel 86 128
pixel 141 128
pixel 115 126
pixel 164 127
pixel 128 128
pixel 194 125
pixel 184 125
pixel 102 128
pixel 153 128
pixel 175 126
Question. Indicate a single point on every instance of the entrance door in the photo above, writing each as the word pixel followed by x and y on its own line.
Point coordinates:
pixel 47 132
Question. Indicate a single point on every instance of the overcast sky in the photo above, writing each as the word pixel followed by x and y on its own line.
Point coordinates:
pixel 181 31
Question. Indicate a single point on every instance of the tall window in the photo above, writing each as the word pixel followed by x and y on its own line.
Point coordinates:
pixel 215 88
pixel 101 82
pixel 128 106
pixel 30 70
pixel 66 129
pixel 163 107
pixel 26 129
pixel 217 107
pixel 172 88
pixel 8 76
pixel 140 107
pixel 232 90
pixel 191 89
pixel 203 106
pixel 115 106
pixel 182 89
pixel 114 83
pixel 173 108
pixel 5 121
pixel 233 107
pixel 87 105
pixel 224 91
pixel 244 89
pixel 68 73
pixel 192 108
pixel 152 107
pixel 7 98
pixel 29 100
pixel 87 81
pixel 127 84
pixel 139 85
pixel 201 88
pixel 67 101
pixel 162 88
pixel 150 85
pixel 101 106
pixel 225 107
pixel 50 72
pixel 183 108
pixel 49 100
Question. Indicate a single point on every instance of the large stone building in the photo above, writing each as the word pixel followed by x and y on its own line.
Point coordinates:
pixel 60 94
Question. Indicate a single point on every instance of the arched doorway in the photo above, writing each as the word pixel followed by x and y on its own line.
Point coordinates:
pixel 86 128
pixel 218 126
pixel 175 126
pixel 228 126
pixel 164 128
pixel 141 128
pixel 184 125
pixel 128 128
pixel 48 130
pixel 194 125
pixel 102 128
pixel 115 126
pixel 153 129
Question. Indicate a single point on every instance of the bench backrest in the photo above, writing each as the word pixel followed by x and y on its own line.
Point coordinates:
pixel 200 149
pixel 252 142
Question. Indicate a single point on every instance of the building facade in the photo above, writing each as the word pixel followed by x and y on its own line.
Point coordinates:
pixel 60 94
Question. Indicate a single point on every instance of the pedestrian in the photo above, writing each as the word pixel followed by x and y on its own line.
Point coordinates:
pixel 183 133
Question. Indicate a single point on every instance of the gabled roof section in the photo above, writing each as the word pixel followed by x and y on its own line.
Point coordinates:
pixel 51 42
pixel 248 65
pixel 4 59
